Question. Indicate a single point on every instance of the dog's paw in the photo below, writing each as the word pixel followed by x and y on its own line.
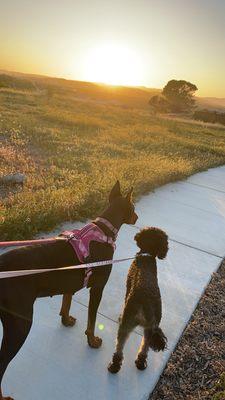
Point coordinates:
pixel 116 363
pixel 94 341
pixel 68 321
pixel 114 367
pixel 141 362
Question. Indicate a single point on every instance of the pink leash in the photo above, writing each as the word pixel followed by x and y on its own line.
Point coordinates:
pixel 28 242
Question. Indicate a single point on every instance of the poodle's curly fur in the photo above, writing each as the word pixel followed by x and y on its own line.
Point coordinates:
pixel 143 301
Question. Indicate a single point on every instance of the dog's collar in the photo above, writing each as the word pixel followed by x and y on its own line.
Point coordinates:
pixel 145 254
pixel 107 224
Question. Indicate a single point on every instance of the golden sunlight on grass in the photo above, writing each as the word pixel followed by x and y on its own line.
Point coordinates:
pixel 73 144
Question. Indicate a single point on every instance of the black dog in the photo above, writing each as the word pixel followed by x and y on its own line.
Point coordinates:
pixel 17 295
pixel 143 301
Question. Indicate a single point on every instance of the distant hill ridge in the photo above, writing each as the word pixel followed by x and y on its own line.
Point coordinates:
pixel 126 96
pixel 12 82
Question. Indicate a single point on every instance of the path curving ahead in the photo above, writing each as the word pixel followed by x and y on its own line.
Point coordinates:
pixel 56 363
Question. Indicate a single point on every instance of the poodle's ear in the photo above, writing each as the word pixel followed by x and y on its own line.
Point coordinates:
pixel 115 192
pixel 129 194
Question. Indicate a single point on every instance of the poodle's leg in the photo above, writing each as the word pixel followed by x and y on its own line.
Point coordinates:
pixel 141 360
pixel 67 320
pixel 125 328
pixel 15 332
pixel 157 340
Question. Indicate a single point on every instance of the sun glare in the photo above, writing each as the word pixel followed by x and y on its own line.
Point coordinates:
pixel 113 64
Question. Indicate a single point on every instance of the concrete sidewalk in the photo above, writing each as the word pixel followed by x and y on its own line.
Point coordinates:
pixel 56 363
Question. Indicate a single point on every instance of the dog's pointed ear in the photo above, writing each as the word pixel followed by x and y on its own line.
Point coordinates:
pixel 129 194
pixel 115 192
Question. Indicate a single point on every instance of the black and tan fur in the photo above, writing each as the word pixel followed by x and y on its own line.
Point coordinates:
pixel 17 295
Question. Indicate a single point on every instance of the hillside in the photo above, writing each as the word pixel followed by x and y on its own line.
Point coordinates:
pixel 136 97
pixel 73 140
pixel 80 91
pixel 211 103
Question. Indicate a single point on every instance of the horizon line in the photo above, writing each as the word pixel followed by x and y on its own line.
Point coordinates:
pixel 95 83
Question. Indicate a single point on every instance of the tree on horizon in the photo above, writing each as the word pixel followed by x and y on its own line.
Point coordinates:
pixel 179 94
pixel 176 97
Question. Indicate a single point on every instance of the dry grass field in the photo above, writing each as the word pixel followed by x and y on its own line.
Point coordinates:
pixel 72 140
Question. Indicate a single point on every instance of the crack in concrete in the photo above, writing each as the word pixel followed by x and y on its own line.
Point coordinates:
pixel 207 187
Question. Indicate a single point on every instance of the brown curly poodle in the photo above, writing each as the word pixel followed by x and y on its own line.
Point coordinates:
pixel 143 301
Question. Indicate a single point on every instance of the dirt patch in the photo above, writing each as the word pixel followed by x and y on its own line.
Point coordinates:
pixel 196 365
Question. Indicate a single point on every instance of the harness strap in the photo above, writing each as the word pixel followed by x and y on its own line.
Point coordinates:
pixel 80 240
pixel 108 224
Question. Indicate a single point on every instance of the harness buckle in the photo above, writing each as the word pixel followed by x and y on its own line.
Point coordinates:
pixel 67 236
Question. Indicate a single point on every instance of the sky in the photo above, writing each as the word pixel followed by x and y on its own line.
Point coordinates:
pixel 130 42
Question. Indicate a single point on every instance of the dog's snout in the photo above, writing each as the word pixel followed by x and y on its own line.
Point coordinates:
pixel 134 219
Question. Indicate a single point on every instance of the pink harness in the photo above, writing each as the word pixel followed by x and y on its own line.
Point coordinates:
pixel 80 241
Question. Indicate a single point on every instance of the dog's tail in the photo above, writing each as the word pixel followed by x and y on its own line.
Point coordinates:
pixel 157 340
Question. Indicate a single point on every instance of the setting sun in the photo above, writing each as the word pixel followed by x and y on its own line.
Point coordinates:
pixel 113 64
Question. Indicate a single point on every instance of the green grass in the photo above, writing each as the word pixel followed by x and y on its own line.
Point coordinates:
pixel 73 144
